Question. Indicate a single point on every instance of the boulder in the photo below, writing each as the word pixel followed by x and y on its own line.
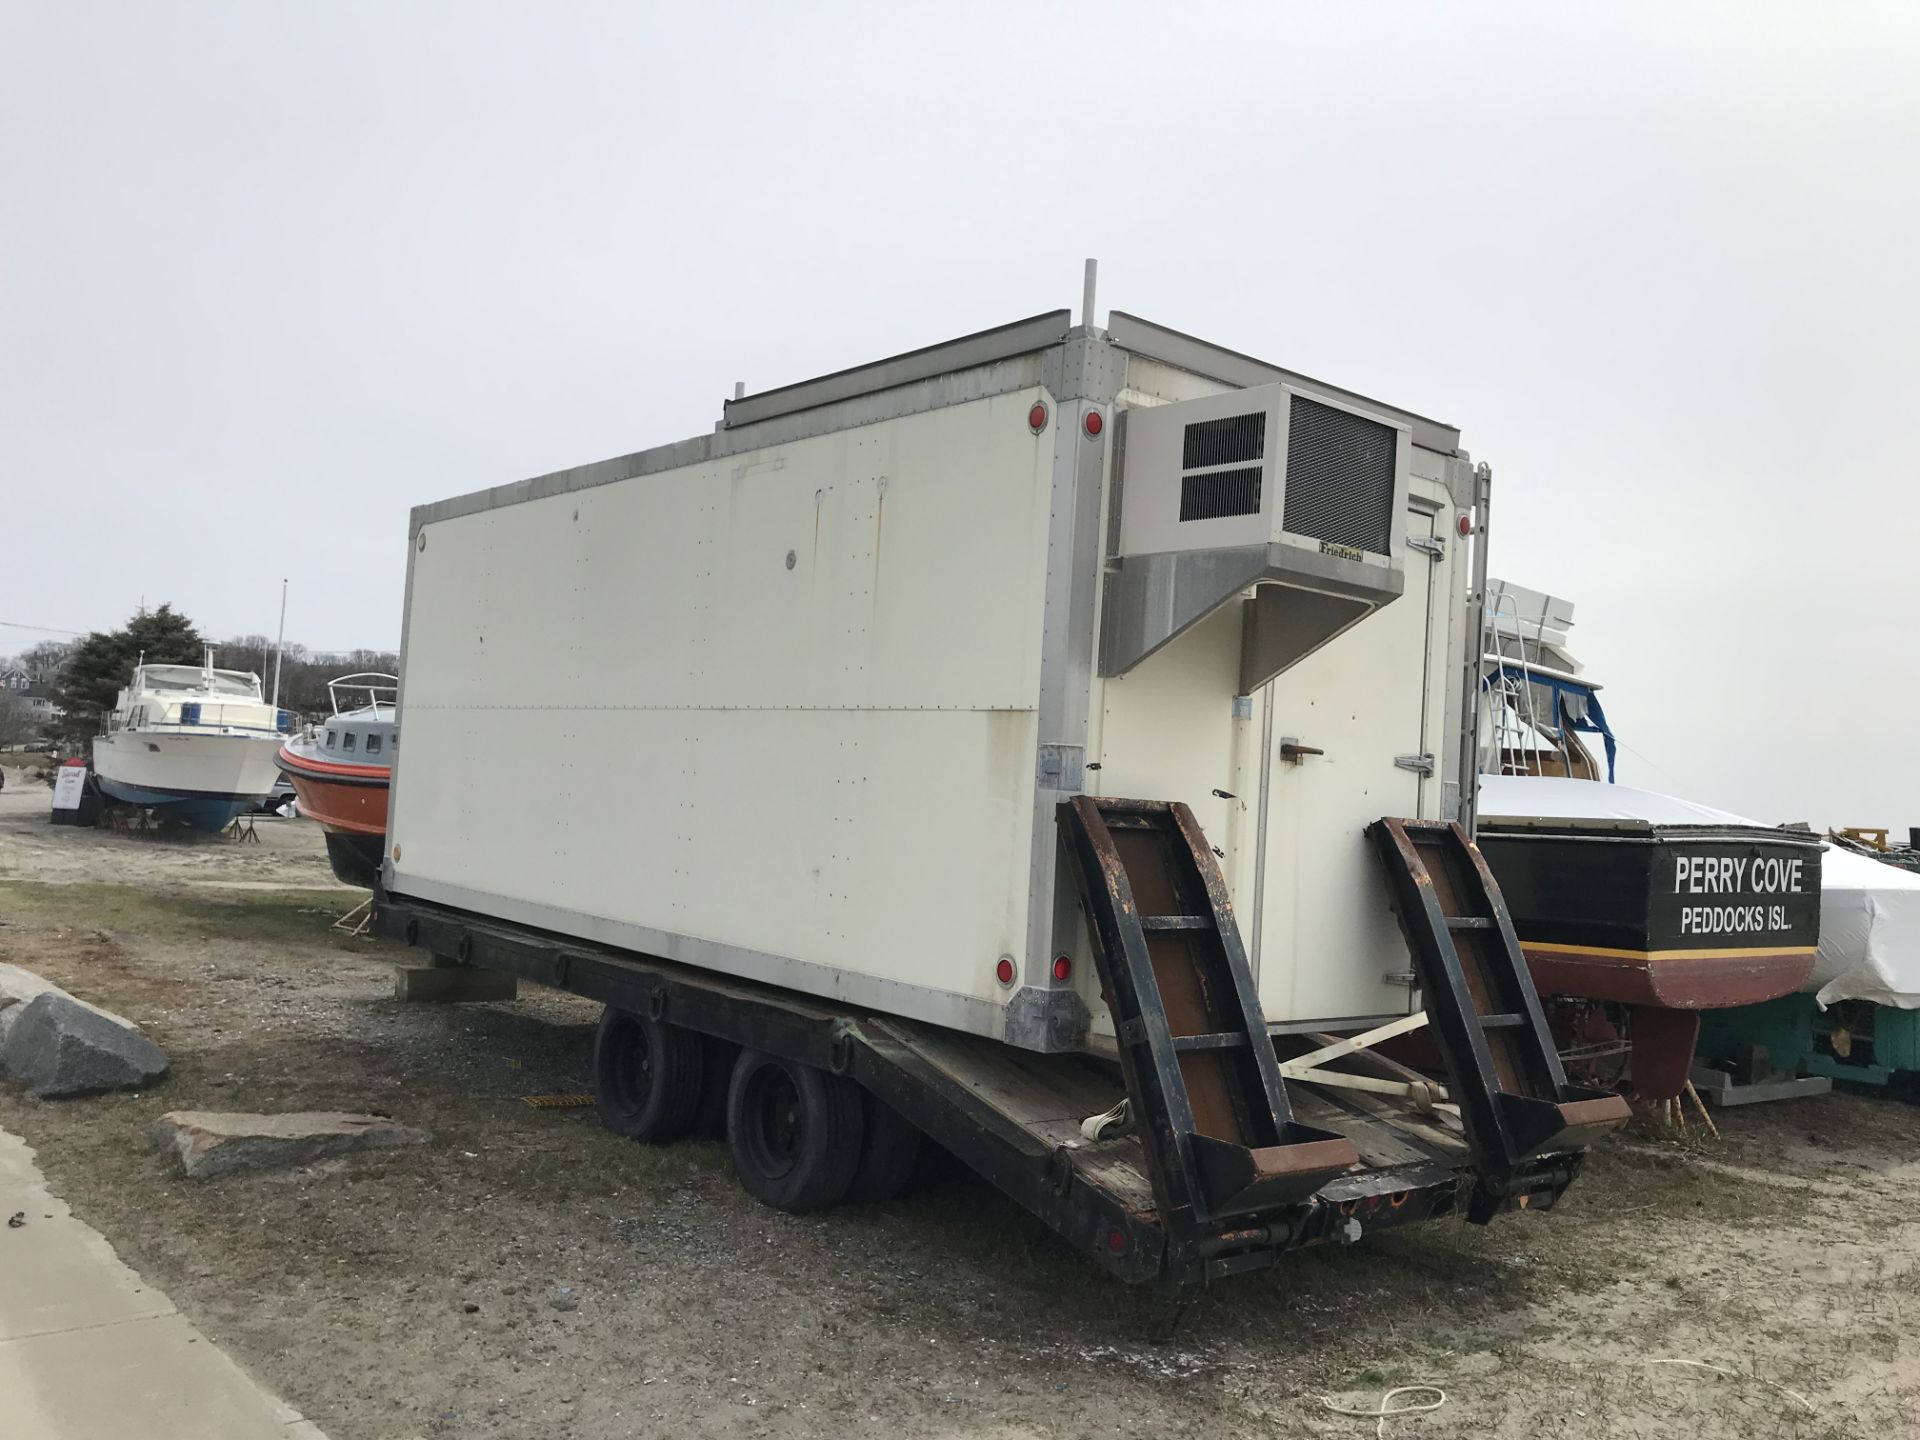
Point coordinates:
pixel 17 987
pixel 60 1046
pixel 211 1143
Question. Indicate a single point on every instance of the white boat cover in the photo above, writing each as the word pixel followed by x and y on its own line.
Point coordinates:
pixel 1869 912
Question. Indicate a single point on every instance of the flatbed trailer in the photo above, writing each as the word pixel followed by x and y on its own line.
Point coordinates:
pixel 1141 1203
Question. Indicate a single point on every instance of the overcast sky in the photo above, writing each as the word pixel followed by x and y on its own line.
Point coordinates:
pixel 271 273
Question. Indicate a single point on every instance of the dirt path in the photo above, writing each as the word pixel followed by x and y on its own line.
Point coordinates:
pixel 286 853
pixel 619 1290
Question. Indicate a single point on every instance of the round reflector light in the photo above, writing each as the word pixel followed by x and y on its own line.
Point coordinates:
pixel 1466 524
pixel 1093 423
pixel 1003 972
pixel 1063 968
pixel 1037 418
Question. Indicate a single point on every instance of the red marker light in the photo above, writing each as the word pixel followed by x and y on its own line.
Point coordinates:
pixel 1116 1242
pixel 1037 418
pixel 1063 968
pixel 1093 423
pixel 1466 524
pixel 1003 972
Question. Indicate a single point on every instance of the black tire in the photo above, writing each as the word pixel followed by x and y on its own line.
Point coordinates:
pixel 647 1077
pixel 889 1154
pixel 794 1132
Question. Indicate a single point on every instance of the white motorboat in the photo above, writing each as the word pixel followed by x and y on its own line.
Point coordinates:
pixel 193 744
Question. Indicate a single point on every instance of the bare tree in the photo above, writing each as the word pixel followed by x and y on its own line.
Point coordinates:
pixel 303 673
pixel 17 723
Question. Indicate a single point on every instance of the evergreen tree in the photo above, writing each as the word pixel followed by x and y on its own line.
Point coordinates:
pixel 100 666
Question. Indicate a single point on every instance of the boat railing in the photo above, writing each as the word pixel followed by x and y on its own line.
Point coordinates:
pixel 378 687
pixel 203 724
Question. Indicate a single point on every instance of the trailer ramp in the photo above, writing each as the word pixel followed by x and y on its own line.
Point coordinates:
pixel 1220 1135
pixel 1503 1070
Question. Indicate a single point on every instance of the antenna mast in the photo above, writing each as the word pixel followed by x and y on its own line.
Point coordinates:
pixel 280 643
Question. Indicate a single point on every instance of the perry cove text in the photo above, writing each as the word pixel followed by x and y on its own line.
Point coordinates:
pixel 1728 875
pixel 1735 875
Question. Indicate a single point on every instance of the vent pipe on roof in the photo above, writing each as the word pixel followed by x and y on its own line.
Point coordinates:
pixel 739 389
pixel 1086 294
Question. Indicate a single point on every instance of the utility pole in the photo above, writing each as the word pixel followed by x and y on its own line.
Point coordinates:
pixel 280 643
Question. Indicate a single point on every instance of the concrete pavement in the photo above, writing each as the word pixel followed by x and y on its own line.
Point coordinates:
pixel 90 1351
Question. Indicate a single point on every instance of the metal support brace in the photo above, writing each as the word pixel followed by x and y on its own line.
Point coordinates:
pixel 356 921
pixel 1308 1067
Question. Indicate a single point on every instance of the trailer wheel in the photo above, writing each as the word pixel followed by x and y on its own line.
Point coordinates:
pixel 646 1076
pixel 889 1154
pixel 794 1131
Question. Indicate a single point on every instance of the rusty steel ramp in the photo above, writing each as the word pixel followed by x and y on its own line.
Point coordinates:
pixel 1502 1067
pixel 1219 1132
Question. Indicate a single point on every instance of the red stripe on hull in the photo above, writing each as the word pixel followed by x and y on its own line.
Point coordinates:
pixel 1679 984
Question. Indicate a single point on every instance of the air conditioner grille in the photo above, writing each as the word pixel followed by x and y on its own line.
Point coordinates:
pixel 1216 494
pixel 1340 473
pixel 1230 440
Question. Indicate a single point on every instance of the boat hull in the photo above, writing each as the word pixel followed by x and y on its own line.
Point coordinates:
pixel 199 780
pixel 350 804
pixel 1684 917
pixel 355 858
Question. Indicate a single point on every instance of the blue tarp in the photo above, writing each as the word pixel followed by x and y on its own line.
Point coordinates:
pixel 1585 715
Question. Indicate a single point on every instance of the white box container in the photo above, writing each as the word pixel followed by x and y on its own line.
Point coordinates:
pixel 795 701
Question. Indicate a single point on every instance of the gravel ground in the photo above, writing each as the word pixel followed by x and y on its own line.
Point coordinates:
pixel 529 1274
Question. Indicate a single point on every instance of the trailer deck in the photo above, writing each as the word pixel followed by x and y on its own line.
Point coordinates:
pixel 1158 1204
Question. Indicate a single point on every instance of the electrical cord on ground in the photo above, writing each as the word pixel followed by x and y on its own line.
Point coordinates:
pixel 1387 1410
pixel 1737 1375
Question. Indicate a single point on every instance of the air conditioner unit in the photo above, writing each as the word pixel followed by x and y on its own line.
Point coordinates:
pixel 1291 498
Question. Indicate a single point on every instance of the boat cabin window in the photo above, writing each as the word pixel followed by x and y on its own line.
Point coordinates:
pixel 373 744
pixel 346 740
pixel 169 678
pixel 329 739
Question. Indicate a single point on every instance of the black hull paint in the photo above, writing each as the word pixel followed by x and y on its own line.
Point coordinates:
pixel 356 858
pixel 1666 916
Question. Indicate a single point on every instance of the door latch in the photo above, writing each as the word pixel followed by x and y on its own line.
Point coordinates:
pixel 1436 548
pixel 1419 764
pixel 1294 753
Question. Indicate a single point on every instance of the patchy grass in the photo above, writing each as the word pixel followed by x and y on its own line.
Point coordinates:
pixel 34 762
pixel 268 917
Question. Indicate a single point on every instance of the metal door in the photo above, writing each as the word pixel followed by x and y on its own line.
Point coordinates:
pixel 1325 943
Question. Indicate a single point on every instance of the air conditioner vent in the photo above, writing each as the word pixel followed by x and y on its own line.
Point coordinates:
pixel 1216 494
pixel 1230 440
pixel 1209 490
pixel 1340 477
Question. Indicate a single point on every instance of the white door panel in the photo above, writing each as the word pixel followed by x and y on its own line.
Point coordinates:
pixel 1327 937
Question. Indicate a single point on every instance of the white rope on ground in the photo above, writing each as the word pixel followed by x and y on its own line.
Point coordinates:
pixel 1738 1375
pixel 1387 1409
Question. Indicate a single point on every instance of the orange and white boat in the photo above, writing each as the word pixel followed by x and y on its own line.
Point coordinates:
pixel 341 769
